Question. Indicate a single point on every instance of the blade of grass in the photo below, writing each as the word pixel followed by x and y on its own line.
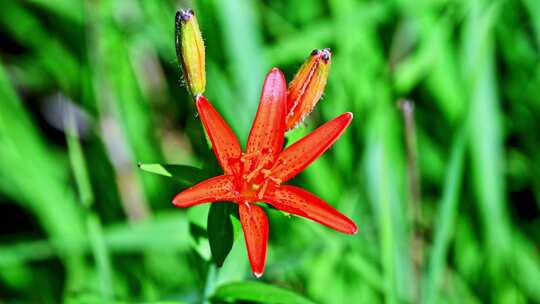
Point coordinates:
pixel 36 179
pixel 185 174
pixel 533 8
pixel 123 238
pixel 445 220
pixel 386 198
pixel 51 58
pixel 258 292
pixel 240 24
pixel 71 10
pixel 293 47
pixel 93 223
pixel 486 135
pixel 122 97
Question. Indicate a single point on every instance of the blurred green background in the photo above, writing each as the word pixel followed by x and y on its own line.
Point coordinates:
pixel 90 88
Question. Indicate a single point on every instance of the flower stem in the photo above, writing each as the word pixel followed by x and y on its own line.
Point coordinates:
pixel 210 285
pixel 414 193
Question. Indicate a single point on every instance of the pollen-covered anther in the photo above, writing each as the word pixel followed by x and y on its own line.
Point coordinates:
pixel 260 195
pixel 255 171
pixel 261 163
pixel 252 175
pixel 247 157
pixel 268 175
pixel 266 172
pixel 276 180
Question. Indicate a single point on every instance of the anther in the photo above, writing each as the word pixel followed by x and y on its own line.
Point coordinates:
pixel 260 195
pixel 251 175
pixel 248 156
pixel 276 180
pixel 266 172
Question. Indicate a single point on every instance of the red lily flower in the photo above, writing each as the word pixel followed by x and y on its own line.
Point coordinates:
pixel 258 174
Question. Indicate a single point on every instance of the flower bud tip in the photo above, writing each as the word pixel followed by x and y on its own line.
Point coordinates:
pixel 184 15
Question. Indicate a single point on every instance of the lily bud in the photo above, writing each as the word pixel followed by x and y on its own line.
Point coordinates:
pixel 190 51
pixel 307 87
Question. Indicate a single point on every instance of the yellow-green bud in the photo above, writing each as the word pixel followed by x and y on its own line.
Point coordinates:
pixel 190 51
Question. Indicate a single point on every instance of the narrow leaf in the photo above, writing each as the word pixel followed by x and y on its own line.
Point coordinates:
pixel 258 292
pixel 186 174
pixel 220 231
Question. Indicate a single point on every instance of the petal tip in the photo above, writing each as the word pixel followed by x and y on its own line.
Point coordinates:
pixel 176 202
pixel 184 15
pixel 276 72
pixel 257 274
pixel 349 115
pixel 354 229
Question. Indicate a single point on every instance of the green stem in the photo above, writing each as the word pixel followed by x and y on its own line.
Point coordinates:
pixel 93 223
pixel 210 285
pixel 446 219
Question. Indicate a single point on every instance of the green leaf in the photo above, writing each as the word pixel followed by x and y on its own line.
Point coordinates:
pixel 447 214
pixel 258 292
pixel 220 231
pixel 185 174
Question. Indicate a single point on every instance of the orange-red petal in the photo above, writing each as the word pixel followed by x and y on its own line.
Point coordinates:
pixel 219 188
pixel 298 156
pixel 266 135
pixel 298 201
pixel 255 227
pixel 224 143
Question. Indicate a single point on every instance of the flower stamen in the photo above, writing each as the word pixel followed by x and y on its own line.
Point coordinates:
pixel 260 195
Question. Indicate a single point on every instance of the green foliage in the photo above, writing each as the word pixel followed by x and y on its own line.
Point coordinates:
pixel 91 89
pixel 185 174
pixel 220 231
pixel 257 292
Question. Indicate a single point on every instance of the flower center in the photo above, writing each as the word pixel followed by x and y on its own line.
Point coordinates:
pixel 256 173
